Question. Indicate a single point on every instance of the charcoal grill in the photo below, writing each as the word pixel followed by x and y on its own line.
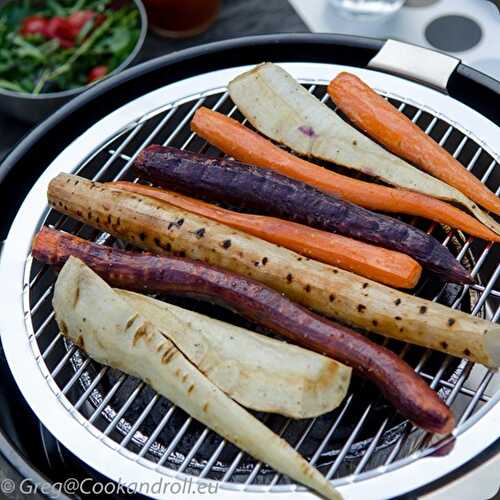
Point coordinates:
pixel 119 426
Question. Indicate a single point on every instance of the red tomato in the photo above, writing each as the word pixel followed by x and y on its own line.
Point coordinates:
pixel 65 44
pixel 78 19
pixel 59 28
pixel 100 18
pixel 34 24
pixel 97 73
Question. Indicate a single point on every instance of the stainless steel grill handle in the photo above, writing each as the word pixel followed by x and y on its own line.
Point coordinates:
pixel 414 62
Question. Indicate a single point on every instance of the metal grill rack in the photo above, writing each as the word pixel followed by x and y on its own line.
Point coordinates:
pixel 361 439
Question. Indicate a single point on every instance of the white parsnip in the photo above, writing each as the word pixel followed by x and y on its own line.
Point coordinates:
pixel 282 109
pixel 165 229
pixel 111 332
pixel 258 372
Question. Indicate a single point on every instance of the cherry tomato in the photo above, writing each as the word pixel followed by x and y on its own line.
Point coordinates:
pixel 77 20
pixel 34 24
pixel 100 18
pixel 59 28
pixel 97 73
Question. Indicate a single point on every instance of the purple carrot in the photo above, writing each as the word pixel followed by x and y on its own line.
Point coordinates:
pixel 145 272
pixel 275 194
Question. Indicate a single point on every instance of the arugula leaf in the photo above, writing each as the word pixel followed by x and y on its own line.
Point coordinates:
pixel 14 12
pixel 85 31
pixel 24 49
pixel 11 86
pixel 56 8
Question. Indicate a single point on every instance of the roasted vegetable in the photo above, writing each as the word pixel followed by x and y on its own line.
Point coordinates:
pixel 391 128
pixel 266 190
pixel 163 228
pixel 258 372
pixel 379 264
pixel 112 332
pixel 247 146
pixel 283 110
pixel 397 381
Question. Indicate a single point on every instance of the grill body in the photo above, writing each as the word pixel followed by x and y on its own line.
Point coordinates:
pixel 128 433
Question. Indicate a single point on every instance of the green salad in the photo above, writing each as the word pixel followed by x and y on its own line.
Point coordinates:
pixel 56 45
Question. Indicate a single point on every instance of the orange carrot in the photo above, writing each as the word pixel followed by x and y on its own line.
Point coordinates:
pixel 391 128
pixel 247 146
pixel 382 265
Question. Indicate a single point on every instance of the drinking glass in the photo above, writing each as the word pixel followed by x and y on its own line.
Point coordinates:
pixel 181 18
pixel 367 9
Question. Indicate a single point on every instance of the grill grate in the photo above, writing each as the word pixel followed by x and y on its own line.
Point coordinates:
pixel 363 436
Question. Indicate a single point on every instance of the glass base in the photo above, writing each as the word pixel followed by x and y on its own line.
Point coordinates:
pixel 357 10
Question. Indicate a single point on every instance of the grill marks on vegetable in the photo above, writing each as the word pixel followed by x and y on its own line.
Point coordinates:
pixel 424 323
pixel 267 307
pixel 169 354
pixel 140 332
pixel 176 224
pixel 131 321
pixel 275 194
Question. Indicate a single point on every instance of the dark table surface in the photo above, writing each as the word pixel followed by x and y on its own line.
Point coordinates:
pixel 237 18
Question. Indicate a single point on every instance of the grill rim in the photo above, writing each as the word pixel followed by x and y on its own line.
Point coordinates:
pixel 467 84
pixel 331 68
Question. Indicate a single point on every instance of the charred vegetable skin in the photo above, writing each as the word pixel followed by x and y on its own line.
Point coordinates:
pixel 164 229
pixel 379 264
pixel 144 272
pixel 100 322
pixel 257 188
